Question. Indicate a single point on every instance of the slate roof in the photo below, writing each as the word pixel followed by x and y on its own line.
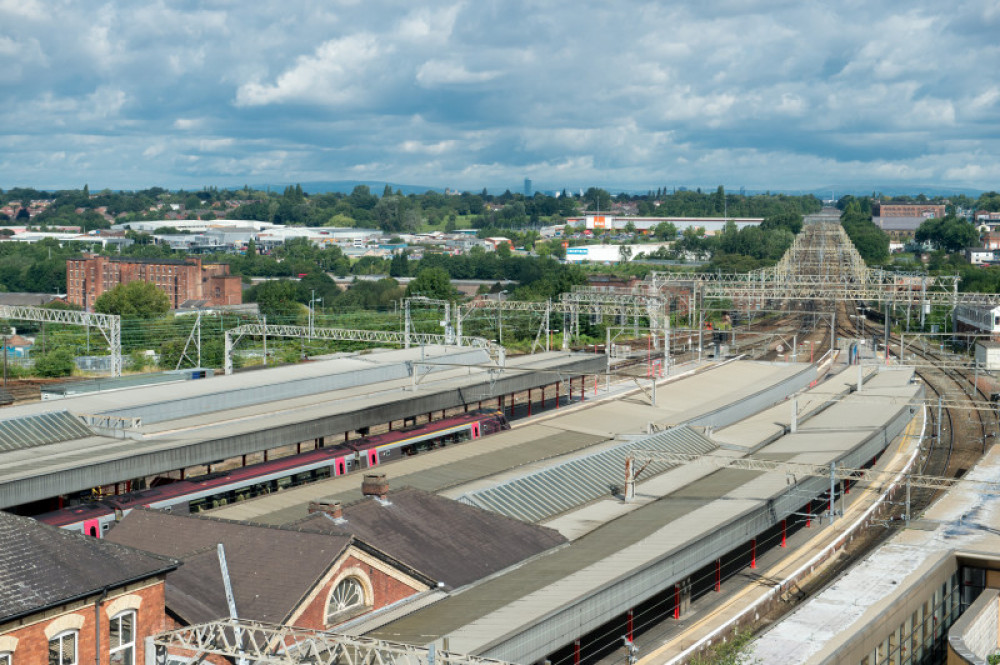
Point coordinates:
pixel 42 566
pixel 448 541
pixel 272 569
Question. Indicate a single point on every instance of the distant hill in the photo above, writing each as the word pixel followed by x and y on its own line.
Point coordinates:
pixel 347 186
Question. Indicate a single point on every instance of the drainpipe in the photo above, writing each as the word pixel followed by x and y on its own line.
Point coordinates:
pixel 97 626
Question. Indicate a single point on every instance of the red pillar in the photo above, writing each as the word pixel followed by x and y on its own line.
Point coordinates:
pixel 345 437
pixel 583 388
pixel 784 533
pixel 718 574
pixel 595 385
pixel 677 601
pixel 298 447
pixel 809 514
pixel 465 408
pixel 847 485
pixel 244 460
pixel 265 457
pixel 576 652
pixel 630 626
pixel 529 402
pixel 753 553
pixel 543 398
pixel 558 388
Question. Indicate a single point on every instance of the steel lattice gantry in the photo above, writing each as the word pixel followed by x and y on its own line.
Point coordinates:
pixel 109 325
pixel 233 335
pixel 822 264
pixel 268 644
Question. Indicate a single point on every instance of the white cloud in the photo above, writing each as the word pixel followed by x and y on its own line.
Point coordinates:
pixel 332 75
pixel 435 73
pixel 769 93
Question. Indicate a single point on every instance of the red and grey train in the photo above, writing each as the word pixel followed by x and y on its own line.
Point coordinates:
pixel 218 489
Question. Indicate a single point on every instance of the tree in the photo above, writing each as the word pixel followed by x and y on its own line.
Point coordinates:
pixel 624 253
pixel 950 233
pixel 279 300
pixel 665 231
pixel 432 283
pixel 400 265
pixel 134 300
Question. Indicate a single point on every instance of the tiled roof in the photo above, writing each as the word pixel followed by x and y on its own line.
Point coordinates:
pixel 42 566
pixel 271 568
pixel 443 539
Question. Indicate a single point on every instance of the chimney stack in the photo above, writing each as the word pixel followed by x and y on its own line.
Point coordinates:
pixel 331 508
pixel 375 485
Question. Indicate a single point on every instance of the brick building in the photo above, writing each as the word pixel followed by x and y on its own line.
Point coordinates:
pixel 182 280
pixel 279 575
pixel 925 210
pixel 66 598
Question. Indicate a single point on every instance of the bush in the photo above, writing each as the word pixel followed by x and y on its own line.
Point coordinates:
pixel 55 363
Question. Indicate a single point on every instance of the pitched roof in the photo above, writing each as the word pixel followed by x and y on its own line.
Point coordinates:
pixel 42 566
pixel 271 569
pixel 446 540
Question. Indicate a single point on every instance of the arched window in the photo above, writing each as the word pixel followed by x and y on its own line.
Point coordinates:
pixel 345 599
pixel 122 645
pixel 62 648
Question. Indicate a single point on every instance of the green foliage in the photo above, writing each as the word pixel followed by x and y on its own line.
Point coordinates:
pixel 735 651
pixel 949 233
pixel 871 242
pixel 134 300
pixel 400 265
pixel 58 362
pixel 432 283
pixel 278 300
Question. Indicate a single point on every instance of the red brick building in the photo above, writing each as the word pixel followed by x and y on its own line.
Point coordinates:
pixel 181 280
pixel 912 210
pixel 66 598
pixel 279 576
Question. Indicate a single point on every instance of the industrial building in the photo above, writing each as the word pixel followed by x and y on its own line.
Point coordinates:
pixel 181 280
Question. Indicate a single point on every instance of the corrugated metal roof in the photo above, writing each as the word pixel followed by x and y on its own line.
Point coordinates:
pixel 41 429
pixel 542 494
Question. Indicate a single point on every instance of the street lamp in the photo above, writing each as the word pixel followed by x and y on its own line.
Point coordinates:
pixel 312 316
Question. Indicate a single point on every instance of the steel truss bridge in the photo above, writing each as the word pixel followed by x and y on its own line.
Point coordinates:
pixel 244 641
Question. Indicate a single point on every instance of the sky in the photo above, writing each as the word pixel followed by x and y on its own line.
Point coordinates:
pixel 779 95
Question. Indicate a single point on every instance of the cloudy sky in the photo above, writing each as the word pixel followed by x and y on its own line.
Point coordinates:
pixel 768 95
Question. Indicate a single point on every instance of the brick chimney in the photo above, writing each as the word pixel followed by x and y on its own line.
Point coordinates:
pixel 375 485
pixel 331 508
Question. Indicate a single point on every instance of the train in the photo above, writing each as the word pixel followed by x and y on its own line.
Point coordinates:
pixel 978 319
pixel 193 495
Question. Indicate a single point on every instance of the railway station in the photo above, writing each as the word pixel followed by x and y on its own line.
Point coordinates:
pixel 670 511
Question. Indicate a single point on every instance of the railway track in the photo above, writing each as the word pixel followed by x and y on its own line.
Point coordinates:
pixel 961 423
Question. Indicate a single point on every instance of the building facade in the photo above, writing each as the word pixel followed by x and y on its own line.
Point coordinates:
pixel 182 280
pixel 67 599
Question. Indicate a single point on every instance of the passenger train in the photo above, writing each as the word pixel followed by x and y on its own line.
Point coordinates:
pixel 194 495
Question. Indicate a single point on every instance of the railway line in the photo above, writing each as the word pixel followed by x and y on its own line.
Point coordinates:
pixel 962 420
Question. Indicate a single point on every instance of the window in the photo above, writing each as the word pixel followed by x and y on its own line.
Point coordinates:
pixel 62 649
pixel 5 658
pixel 123 639
pixel 347 597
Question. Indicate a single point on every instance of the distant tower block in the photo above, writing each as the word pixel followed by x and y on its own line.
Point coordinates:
pixel 528 192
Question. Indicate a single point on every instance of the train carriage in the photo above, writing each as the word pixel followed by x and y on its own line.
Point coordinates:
pixel 194 495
